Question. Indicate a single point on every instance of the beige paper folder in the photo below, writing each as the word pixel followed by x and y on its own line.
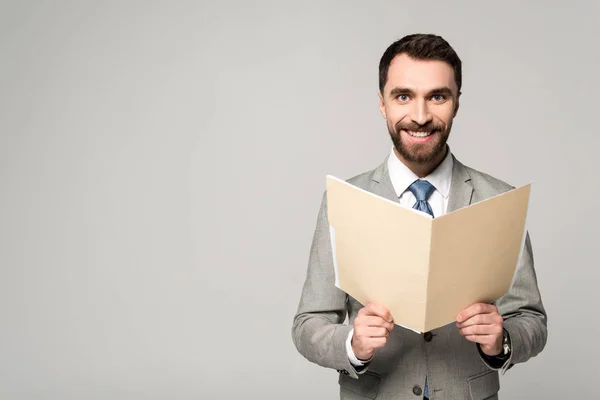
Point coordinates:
pixel 424 270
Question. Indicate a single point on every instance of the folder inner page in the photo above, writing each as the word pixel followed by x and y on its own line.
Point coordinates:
pixel 474 254
pixel 382 252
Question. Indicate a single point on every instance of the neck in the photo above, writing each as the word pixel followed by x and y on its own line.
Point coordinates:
pixel 423 169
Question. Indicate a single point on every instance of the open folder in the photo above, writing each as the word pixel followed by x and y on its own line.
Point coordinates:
pixel 424 270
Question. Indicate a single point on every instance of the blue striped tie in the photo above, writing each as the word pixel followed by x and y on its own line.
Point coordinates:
pixel 422 190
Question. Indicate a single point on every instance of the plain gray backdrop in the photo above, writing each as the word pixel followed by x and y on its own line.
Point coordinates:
pixel 162 165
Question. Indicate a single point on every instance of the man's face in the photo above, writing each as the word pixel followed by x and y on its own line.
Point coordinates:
pixel 419 101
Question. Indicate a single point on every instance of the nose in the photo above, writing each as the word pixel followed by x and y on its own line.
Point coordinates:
pixel 420 112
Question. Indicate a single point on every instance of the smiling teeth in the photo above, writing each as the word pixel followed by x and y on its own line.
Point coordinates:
pixel 419 134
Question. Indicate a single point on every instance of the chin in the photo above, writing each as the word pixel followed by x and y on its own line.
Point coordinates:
pixel 421 156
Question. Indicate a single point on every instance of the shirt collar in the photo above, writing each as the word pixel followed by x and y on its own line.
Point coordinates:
pixel 402 177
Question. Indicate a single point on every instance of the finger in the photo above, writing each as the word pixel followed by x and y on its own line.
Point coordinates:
pixel 481 330
pixel 379 310
pixel 482 319
pixel 372 332
pixel 481 339
pixel 474 309
pixel 485 341
pixel 371 320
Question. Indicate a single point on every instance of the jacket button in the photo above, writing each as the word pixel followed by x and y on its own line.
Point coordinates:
pixel 417 390
pixel 428 336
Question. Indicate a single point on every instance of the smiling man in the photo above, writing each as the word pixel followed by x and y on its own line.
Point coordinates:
pixel 419 89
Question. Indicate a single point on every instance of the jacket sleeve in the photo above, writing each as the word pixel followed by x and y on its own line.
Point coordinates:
pixel 318 330
pixel 524 315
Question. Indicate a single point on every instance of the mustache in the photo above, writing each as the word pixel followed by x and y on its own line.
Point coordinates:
pixel 414 127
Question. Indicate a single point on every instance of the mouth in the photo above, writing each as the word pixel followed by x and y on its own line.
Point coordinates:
pixel 420 134
pixel 419 137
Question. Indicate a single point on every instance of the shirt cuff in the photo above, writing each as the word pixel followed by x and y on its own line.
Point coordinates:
pixel 360 366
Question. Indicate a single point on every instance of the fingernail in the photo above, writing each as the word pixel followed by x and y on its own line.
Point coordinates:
pixel 459 318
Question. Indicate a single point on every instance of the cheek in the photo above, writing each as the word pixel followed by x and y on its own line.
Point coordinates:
pixel 445 115
pixel 395 114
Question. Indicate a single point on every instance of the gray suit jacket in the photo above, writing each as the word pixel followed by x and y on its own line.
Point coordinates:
pixel 453 365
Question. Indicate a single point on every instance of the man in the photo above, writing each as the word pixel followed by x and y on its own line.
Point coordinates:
pixel 419 90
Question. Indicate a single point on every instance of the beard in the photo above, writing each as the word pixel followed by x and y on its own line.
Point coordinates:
pixel 420 153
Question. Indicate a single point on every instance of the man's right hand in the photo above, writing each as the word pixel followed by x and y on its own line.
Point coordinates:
pixel 372 327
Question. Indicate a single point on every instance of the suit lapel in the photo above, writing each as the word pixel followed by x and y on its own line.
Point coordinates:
pixel 461 190
pixel 382 184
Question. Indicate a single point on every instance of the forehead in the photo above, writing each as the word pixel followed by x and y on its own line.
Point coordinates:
pixel 419 75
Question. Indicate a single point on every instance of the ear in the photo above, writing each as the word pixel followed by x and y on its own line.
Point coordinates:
pixel 382 106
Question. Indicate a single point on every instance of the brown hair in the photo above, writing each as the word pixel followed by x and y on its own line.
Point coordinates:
pixel 421 47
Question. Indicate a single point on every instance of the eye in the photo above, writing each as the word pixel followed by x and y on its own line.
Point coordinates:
pixel 438 98
pixel 403 98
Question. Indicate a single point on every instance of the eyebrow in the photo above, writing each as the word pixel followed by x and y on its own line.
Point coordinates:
pixel 397 91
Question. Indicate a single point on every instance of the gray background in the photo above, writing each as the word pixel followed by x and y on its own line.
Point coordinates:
pixel 162 164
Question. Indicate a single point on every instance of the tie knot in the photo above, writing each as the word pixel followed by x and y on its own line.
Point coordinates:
pixel 421 189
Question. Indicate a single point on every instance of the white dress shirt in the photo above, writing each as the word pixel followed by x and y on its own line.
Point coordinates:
pixel 402 177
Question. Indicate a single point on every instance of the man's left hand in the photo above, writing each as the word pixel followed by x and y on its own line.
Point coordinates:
pixel 481 323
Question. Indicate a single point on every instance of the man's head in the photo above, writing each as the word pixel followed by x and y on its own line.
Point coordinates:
pixel 419 85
